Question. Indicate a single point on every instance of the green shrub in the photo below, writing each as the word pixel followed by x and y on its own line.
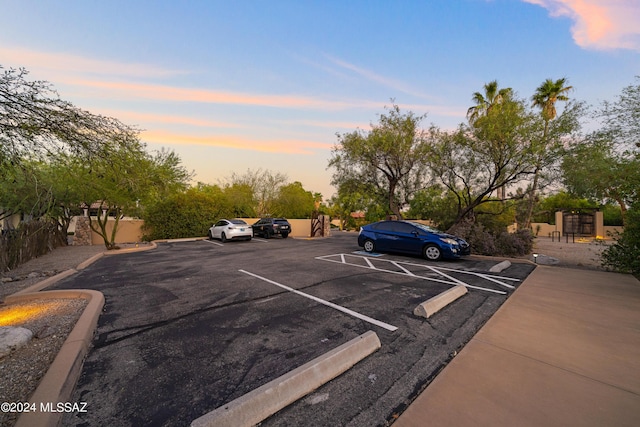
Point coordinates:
pixel 624 255
pixel 188 214
pixel 492 243
pixel 612 215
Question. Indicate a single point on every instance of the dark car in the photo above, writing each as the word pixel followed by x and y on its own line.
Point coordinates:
pixel 411 238
pixel 269 227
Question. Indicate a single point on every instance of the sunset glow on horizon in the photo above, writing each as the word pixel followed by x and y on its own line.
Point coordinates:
pixel 236 86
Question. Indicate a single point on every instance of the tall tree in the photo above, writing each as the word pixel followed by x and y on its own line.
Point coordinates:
pixel 294 201
pixel 36 123
pixel 481 157
pixel 388 161
pixel 544 98
pixel 264 184
pixel 483 104
pixel 242 200
pixel 606 165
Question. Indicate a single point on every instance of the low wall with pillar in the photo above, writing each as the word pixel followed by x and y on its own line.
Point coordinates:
pixel 598 222
pixel 130 230
pixel 545 229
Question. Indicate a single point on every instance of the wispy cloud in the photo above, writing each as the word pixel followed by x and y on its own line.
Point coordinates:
pixel 599 24
pixel 129 90
pixel 130 82
pixel 75 64
pixel 241 143
pixel 394 84
pixel 155 118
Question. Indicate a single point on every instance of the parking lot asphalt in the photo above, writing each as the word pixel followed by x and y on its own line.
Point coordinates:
pixel 191 326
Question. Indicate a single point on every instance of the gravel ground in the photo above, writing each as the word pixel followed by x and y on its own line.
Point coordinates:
pixel 50 320
pixel 38 269
pixel 584 253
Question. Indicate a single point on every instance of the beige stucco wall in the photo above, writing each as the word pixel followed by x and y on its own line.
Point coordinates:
pixel 545 229
pixel 299 227
pixel 129 231
pixel 602 231
pixel 611 231
pixel 10 222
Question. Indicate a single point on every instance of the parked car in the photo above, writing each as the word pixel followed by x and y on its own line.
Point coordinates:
pixel 228 229
pixel 269 227
pixel 411 238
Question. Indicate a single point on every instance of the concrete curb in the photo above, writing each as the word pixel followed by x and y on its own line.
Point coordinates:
pixel 257 405
pixel 88 262
pixel 43 283
pixel 185 239
pixel 500 266
pixel 53 279
pixel 152 245
pixel 61 377
pixel 440 301
pixel 512 260
pixel 58 383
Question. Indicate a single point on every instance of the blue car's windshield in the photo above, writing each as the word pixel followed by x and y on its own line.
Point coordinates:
pixel 427 228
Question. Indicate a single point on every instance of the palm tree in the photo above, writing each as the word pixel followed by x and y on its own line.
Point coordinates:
pixel 484 102
pixel 545 98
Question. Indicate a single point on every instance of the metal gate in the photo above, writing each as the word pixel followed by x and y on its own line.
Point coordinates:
pixel 320 225
pixel 582 224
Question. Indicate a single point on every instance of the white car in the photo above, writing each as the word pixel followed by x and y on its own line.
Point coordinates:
pixel 231 229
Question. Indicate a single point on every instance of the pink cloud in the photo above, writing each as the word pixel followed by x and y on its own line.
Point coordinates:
pixel 83 75
pixel 599 24
pixel 178 94
pixel 67 63
pixel 271 146
pixel 135 117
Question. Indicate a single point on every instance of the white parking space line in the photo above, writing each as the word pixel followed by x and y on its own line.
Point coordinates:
pixel 403 266
pixel 453 279
pixel 368 262
pixel 255 239
pixel 213 243
pixel 327 303
pixel 489 277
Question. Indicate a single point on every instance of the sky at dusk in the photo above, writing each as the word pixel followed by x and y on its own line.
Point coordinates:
pixel 238 85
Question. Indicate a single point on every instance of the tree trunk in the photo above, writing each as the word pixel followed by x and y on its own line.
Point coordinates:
pixel 532 199
pixel 102 229
pixel 393 204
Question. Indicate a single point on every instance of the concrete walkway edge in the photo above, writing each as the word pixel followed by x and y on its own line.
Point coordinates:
pixel 564 349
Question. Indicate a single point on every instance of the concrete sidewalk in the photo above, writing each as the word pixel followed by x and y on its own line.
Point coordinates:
pixel 564 350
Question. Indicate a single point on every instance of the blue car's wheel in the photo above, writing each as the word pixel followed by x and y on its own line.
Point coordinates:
pixel 369 246
pixel 432 252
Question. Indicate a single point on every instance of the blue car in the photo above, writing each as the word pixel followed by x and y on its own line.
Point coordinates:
pixel 411 238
